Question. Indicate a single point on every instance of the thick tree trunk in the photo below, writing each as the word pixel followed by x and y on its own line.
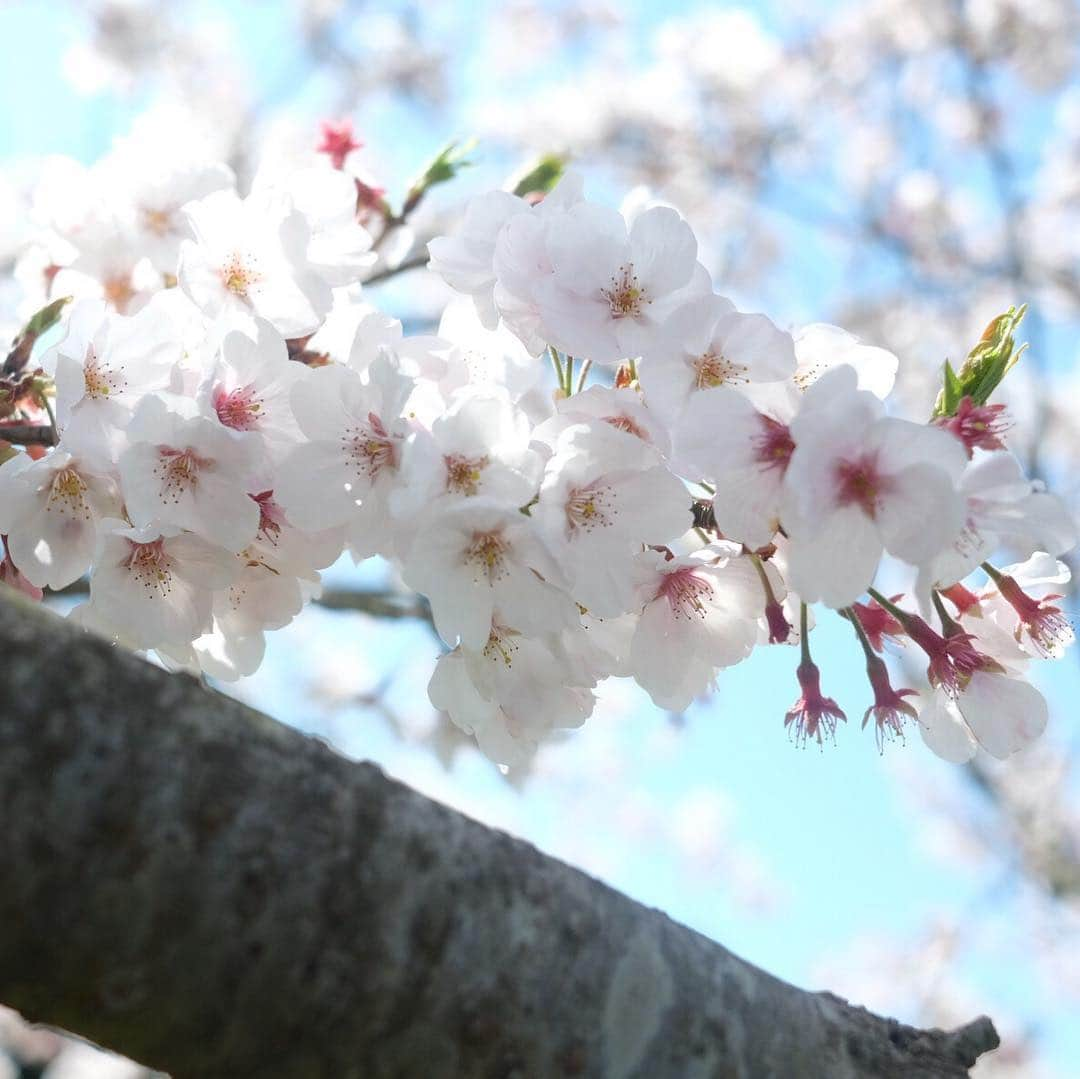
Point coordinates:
pixel 190 883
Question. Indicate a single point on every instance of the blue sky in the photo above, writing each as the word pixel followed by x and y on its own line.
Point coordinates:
pixel 837 828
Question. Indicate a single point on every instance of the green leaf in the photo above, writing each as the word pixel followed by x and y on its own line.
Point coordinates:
pixel 951 394
pixel 993 357
pixel 986 364
pixel 40 323
pixel 47 317
pixel 446 164
pixel 541 176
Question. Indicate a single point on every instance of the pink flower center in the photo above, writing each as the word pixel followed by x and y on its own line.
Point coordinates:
pixel 977 426
pixel 859 482
pixel 178 471
pixel 486 553
pixel 239 409
pixel 686 592
pixel 713 369
pixel 813 715
pixel 773 445
pixel 1047 627
pixel 99 381
pixel 151 567
pixel 588 508
pixel 624 295
pixel 463 474
pixel 370 447
pixel 238 275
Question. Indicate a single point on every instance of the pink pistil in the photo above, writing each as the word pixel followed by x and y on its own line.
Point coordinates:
pixel 239 409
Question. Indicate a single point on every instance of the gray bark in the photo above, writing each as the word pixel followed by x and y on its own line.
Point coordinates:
pixel 190 883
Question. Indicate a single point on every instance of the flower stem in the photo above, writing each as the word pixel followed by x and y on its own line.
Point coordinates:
pixel 948 623
pixel 556 363
pixel 898 613
pixel 852 616
pixel 584 373
pixel 804 634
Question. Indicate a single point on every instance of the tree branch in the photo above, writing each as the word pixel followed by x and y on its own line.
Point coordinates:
pixel 192 884
pixel 28 434
pixel 377 602
pixel 413 262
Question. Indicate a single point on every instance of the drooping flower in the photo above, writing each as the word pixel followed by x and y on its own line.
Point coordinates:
pixel 814 716
pixel 889 708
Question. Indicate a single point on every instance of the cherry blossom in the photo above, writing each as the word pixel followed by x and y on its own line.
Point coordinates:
pixel 479 556
pixel 185 470
pixel 50 510
pixel 155 588
pixel 859 482
pixel 1000 713
pixel 345 472
pixel 103 367
pixel 611 287
pixel 232 412
pixel 707 343
pixel 698 613
pixel 250 257
pixel 465 260
pixel 602 496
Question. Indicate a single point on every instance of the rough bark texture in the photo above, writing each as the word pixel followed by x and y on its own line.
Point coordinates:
pixel 190 883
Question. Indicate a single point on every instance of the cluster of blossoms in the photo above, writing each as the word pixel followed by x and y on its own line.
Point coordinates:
pixel 227 424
